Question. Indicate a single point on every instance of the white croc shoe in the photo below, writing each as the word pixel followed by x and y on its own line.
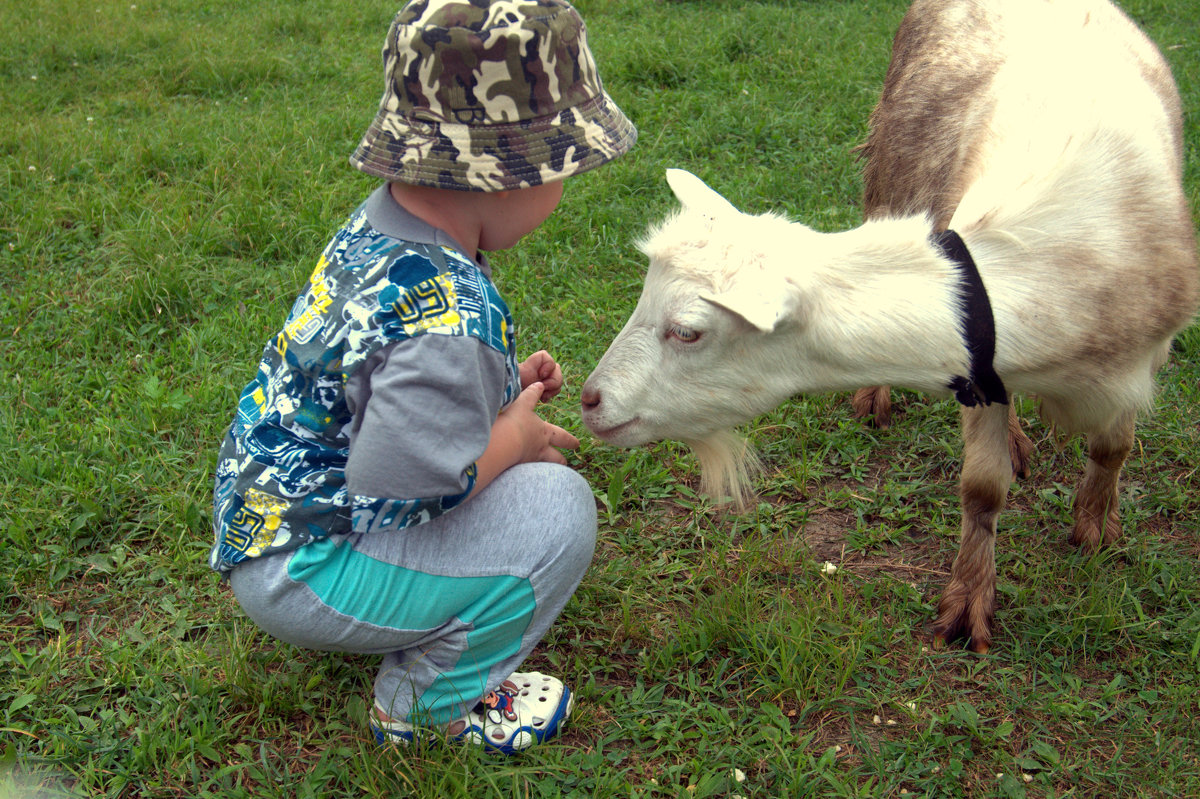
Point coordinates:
pixel 524 710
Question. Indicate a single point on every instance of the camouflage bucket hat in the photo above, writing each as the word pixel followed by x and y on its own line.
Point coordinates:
pixel 488 96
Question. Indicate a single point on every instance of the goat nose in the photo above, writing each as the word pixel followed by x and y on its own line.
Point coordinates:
pixel 590 399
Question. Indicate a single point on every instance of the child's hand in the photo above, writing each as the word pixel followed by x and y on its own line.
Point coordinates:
pixel 541 368
pixel 537 439
pixel 519 435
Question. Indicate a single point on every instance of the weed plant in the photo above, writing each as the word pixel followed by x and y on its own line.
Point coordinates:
pixel 169 171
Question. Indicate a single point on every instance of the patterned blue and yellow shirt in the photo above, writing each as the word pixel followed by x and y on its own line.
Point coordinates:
pixel 281 471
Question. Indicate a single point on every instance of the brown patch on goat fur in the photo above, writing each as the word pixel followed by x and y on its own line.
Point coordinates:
pixel 982 501
pixel 915 161
pixel 1125 317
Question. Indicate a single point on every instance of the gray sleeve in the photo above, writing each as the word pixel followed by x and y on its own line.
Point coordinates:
pixel 423 413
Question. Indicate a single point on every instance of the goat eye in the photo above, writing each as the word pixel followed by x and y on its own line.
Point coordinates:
pixel 684 334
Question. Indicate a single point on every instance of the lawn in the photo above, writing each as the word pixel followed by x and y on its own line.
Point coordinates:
pixel 169 172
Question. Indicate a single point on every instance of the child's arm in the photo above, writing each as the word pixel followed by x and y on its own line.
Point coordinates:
pixel 521 436
pixel 426 410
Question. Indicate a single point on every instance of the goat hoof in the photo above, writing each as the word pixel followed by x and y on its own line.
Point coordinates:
pixel 975 645
pixel 963 622
pixel 1095 530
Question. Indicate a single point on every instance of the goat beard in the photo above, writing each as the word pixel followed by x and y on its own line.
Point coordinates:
pixel 727 464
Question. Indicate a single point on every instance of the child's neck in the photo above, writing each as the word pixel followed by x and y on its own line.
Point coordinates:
pixel 452 212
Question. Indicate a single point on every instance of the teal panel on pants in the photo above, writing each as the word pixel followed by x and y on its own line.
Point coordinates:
pixel 497 610
pixel 398 597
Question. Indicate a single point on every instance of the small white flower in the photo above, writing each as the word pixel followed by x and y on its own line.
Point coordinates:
pixel 999 775
pixel 891 722
pixel 33 77
pixel 828 568
pixel 739 776
pixel 32 168
pixel 875 719
pixel 911 705
pixel 1027 777
pixel 91 120
pixel 837 748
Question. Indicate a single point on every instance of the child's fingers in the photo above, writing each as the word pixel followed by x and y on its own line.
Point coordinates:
pixel 532 394
pixel 552 455
pixel 561 438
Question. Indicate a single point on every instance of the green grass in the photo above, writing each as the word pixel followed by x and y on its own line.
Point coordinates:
pixel 168 173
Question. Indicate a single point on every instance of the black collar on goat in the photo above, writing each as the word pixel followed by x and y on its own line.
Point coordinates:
pixel 978 329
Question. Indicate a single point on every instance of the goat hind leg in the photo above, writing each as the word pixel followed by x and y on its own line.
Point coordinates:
pixel 874 402
pixel 968 603
pixel 1097 511
pixel 1020 447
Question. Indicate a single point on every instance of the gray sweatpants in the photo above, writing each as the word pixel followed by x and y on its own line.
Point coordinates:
pixel 454 605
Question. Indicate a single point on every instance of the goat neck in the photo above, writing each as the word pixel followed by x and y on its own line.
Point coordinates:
pixel 884 300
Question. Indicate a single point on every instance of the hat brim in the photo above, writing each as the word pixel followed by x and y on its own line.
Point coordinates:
pixel 474 157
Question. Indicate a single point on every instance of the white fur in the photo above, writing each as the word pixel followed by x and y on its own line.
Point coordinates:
pixel 782 309
pixel 1056 153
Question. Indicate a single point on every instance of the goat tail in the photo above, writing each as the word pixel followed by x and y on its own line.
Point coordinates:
pixel 727 464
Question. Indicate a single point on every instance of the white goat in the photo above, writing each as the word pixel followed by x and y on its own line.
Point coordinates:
pixel 1048 136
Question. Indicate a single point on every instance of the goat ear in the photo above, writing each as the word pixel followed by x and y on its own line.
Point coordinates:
pixel 756 304
pixel 695 195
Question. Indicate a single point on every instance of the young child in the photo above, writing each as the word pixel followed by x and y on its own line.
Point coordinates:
pixel 386 486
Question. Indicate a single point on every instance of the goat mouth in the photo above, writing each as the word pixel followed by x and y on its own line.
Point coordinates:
pixel 614 434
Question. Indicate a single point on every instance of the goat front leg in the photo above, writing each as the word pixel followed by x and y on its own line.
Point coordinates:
pixel 1097 511
pixel 969 601
pixel 875 403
